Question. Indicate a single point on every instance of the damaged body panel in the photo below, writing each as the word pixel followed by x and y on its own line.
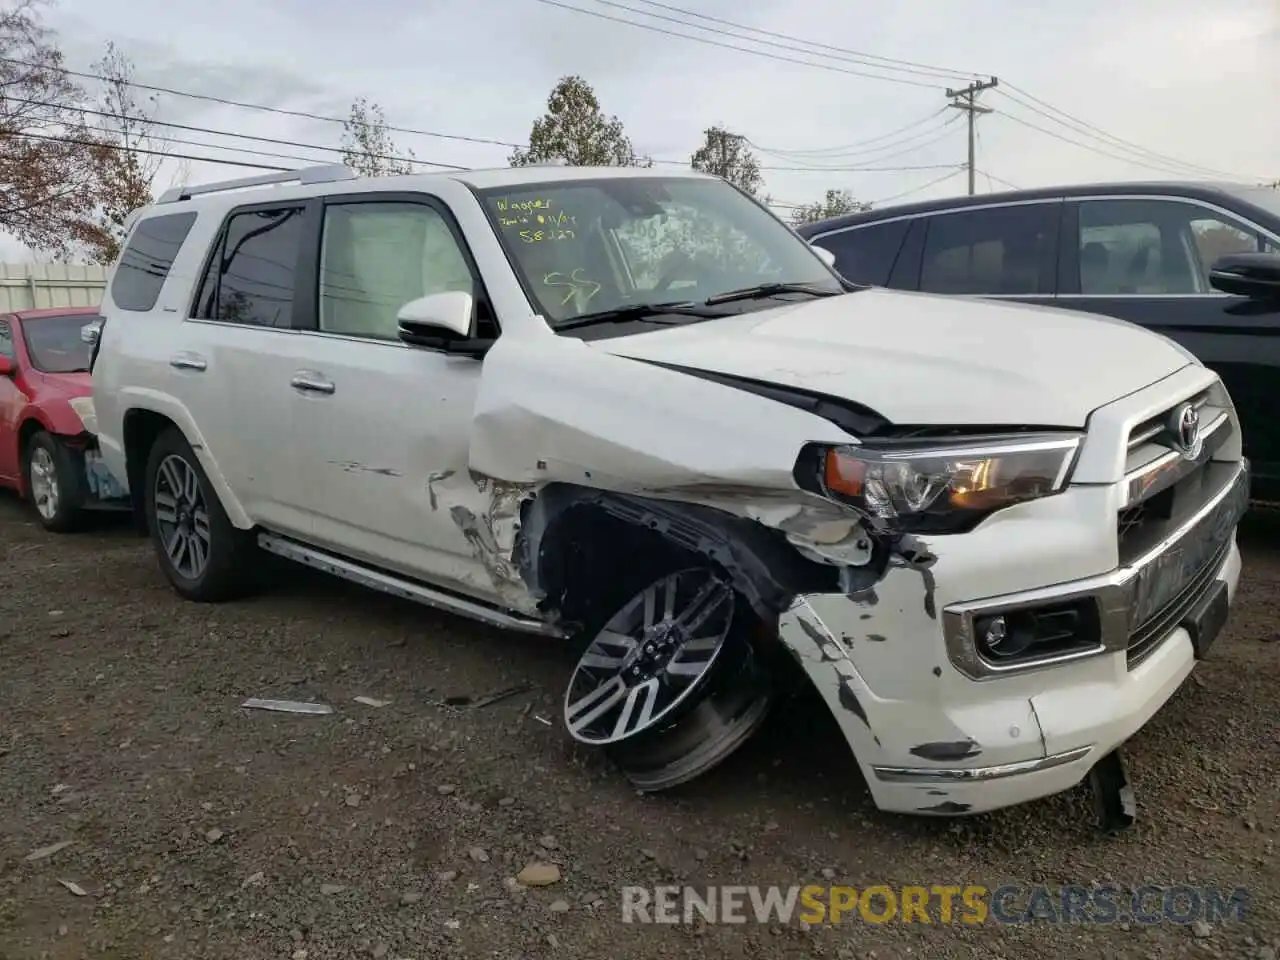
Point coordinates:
pixel 712 466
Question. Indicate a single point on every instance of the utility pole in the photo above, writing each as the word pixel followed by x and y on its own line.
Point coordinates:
pixel 966 100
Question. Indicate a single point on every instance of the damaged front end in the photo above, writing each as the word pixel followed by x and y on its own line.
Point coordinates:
pixel 687 569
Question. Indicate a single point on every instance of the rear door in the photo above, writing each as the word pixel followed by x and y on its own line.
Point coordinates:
pixel 1146 260
pixel 237 356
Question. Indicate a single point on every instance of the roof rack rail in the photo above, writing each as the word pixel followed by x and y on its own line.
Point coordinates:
pixel 328 173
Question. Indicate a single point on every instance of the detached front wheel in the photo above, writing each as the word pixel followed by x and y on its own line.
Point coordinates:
pixel 672 683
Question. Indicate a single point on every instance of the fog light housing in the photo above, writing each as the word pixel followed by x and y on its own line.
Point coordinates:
pixel 1028 634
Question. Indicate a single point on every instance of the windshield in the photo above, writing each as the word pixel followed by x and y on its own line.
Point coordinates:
pixel 54 343
pixel 594 246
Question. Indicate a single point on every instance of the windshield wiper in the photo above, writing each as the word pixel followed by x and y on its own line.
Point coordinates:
pixel 641 311
pixel 768 290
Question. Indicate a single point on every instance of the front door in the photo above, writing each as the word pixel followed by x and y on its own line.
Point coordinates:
pixel 381 430
pixel 1146 260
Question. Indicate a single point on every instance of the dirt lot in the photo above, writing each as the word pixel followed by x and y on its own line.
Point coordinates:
pixel 201 829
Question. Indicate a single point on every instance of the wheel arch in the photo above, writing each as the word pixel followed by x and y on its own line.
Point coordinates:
pixel 570 534
pixel 140 427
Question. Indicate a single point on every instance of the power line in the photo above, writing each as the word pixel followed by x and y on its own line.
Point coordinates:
pixel 911 65
pixel 1003 183
pixel 144 122
pixel 144 152
pixel 841 55
pixel 868 164
pixel 1085 146
pixel 852 147
pixel 280 111
pixel 1020 96
pixel 919 189
pixel 729 46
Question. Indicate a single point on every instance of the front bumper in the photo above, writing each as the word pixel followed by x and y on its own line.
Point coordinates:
pixel 938 731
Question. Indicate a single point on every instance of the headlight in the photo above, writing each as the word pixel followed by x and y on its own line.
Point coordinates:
pixel 945 486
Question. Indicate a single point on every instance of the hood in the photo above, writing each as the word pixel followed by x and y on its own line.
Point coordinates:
pixel 919 359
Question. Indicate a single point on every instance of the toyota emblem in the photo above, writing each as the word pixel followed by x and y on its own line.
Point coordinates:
pixel 1186 431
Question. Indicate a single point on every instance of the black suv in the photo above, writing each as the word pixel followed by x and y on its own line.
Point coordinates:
pixel 1197 262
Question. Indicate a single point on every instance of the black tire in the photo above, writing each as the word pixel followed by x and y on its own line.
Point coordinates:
pixel 229 554
pixel 68 481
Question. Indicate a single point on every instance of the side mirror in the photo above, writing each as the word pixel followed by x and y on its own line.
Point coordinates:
pixel 435 316
pixel 1253 275
pixel 7 367
pixel 825 255
pixel 90 332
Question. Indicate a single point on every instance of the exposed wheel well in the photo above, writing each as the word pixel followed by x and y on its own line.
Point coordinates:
pixel 141 427
pixel 576 542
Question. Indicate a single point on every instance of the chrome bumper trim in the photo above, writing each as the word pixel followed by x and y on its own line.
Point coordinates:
pixel 998 772
pixel 1127 596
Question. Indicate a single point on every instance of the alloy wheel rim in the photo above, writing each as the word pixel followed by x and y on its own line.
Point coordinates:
pixel 44 483
pixel 650 657
pixel 182 517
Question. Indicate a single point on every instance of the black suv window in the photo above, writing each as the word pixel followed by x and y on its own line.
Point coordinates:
pixel 1156 246
pixel 866 254
pixel 1001 250
pixel 146 260
pixel 250 277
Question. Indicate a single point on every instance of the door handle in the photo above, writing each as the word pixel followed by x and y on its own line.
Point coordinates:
pixel 311 382
pixel 188 361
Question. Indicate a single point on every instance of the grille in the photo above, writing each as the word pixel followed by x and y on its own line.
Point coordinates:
pixel 1147 637
pixel 1153 430
pixel 1140 526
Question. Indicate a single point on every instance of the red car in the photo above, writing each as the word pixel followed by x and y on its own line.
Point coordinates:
pixel 47 452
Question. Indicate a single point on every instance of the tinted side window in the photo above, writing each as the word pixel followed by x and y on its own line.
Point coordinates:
pixel 250 277
pixel 376 257
pixel 866 254
pixel 1156 246
pixel 6 341
pixel 146 259
pixel 1004 250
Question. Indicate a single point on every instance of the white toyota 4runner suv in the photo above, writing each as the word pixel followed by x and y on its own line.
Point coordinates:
pixel 637 410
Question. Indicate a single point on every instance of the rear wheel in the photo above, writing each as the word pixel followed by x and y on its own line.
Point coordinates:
pixel 201 553
pixel 672 683
pixel 53 484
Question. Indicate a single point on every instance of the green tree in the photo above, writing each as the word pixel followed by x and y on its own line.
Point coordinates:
pixel 725 154
pixel 834 204
pixel 575 130
pixel 367 147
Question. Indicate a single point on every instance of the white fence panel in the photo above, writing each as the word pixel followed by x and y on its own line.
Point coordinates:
pixel 27 286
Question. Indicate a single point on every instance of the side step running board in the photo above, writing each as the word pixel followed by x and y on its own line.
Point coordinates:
pixel 401 587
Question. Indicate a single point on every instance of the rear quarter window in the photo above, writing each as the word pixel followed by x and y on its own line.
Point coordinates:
pixel 147 258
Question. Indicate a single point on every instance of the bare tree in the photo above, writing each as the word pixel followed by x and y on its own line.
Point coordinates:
pixel 126 158
pixel 367 147
pixel 727 155
pixel 47 160
pixel 575 130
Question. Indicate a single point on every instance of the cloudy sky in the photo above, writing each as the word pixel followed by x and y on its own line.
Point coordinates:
pixel 1150 89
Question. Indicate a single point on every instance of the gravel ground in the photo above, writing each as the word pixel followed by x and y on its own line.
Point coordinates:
pixel 200 829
